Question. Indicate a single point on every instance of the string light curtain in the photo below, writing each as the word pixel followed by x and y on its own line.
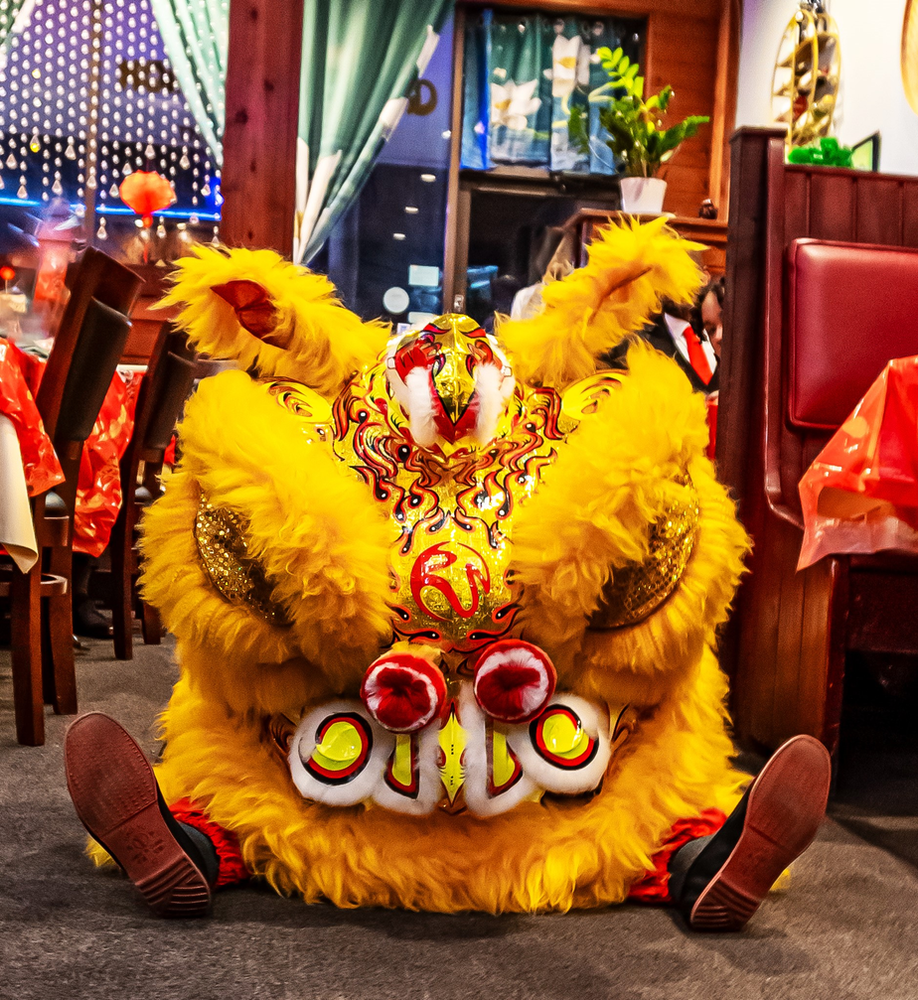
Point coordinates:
pixel 89 94
pixel 12 18
pixel 360 58
pixel 522 73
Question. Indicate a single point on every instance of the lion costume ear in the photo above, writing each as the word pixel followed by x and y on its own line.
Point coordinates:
pixel 271 316
pixel 632 268
pixel 254 310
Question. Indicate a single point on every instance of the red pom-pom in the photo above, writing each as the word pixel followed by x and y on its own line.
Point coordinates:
pixel 403 692
pixel 514 681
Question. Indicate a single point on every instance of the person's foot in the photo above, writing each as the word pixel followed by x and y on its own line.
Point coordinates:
pixel 118 800
pixel 88 621
pixel 730 874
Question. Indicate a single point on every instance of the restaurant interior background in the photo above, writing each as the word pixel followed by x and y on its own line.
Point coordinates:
pixel 116 131
pixel 140 126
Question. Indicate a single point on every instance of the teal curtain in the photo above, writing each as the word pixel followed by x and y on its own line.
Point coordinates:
pixel 522 73
pixel 360 57
pixel 196 36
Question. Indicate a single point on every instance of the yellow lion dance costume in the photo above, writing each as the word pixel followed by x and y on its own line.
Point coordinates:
pixel 445 604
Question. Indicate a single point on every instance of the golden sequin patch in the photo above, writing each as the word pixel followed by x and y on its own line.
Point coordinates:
pixel 220 536
pixel 637 590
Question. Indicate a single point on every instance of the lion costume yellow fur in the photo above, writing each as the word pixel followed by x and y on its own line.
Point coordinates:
pixel 280 559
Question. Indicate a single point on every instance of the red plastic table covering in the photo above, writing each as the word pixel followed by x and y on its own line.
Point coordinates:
pixel 99 486
pixel 860 495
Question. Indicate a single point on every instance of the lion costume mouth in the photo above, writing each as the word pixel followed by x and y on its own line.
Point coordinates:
pixel 462 761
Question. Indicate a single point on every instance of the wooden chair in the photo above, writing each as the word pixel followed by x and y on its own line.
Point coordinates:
pixel 87 347
pixel 822 290
pixel 166 385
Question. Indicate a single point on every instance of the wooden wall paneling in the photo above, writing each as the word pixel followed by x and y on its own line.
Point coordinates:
pixel 879 212
pixel 683 53
pixel 728 45
pixel 909 221
pixel 832 205
pixel 262 106
pixel 796 204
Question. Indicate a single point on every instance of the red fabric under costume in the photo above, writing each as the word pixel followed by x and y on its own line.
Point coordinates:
pixel 232 867
pixel 654 886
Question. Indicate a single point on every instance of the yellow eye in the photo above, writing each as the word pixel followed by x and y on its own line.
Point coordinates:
pixel 343 744
pixel 559 737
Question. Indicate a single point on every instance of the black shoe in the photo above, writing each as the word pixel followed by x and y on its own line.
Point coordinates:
pixel 88 621
pixel 119 802
pixel 774 823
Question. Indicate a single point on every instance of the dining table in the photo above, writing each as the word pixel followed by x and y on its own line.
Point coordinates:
pixel 29 466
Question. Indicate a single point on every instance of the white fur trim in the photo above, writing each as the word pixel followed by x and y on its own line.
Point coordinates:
pixel 493 389
pixel 420 407
pixel 430 788
pixel 475 756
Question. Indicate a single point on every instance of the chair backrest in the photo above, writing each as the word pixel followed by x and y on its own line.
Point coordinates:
pixel 96 276
pixel 848 309
pixel 92 366
pixel 170 385
pixel 168 381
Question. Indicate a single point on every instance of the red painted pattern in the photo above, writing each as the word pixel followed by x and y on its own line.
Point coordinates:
pixel 422 575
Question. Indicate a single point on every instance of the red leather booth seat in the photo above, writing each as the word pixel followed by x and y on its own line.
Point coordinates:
pixel 850 308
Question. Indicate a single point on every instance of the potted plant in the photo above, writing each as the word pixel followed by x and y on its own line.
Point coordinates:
pixel 635 130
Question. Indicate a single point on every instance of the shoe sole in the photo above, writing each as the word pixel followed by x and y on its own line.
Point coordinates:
pixel 116 798
pixel 785 808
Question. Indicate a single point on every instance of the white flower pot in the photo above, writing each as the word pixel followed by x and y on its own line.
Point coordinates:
pixel 642 195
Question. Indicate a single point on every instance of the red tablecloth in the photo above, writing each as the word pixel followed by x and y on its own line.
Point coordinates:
pixel 860 495
pixel 42 469
pixel 99 486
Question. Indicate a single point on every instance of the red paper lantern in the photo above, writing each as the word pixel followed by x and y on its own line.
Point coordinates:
pixel 146 192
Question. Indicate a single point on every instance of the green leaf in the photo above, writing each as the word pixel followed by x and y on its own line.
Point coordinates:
pixel 578 129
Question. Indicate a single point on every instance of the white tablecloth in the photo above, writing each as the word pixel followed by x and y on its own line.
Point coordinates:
pixel 17 533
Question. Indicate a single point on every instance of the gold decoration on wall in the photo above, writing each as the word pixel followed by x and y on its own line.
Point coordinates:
pixel 910 54
pixel 806 76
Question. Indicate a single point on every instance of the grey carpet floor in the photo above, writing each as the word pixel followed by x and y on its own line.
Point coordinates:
pixel 845 928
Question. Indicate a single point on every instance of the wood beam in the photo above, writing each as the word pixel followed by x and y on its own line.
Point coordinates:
pixel 258 182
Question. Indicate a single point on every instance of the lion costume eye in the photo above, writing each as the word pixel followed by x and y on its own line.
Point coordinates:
pixel 637 590
pixel 567 748
pixel 219 534
pixel 338 753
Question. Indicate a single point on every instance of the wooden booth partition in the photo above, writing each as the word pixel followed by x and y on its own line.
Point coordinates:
pixel 786 644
